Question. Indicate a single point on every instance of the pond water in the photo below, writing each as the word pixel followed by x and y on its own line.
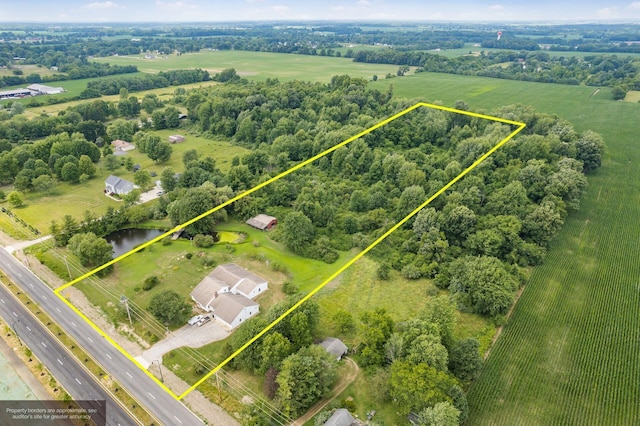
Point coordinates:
pixel 127 239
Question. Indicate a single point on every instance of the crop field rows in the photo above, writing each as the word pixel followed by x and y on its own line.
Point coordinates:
pixel 516 127
pixel 570 352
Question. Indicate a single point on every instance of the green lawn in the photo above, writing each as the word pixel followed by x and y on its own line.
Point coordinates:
pixel 569 353
pixel 258 65
pixel 75 199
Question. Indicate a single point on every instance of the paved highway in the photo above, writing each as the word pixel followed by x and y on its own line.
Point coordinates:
pixel 65 368
pixel 166 409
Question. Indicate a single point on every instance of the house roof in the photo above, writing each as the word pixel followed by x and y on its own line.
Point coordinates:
pixel 206 290
pixel 119 143
pixel 119 183
pixel 43 88
pixel 261 221
pixel 232 274
pixel 228 306
pixel 341 417
pixel 334 346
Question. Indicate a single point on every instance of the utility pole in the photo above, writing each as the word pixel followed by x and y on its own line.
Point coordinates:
pixel 67 263
pixel 125 301
pixel 160 368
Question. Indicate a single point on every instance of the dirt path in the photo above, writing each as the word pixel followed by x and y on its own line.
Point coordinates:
pixel 337 390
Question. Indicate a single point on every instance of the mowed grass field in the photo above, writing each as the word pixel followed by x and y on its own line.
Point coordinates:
pixel 258 65
pixel 570 352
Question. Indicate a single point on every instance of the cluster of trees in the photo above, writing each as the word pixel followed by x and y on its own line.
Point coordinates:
pixel 36 166
pixel 297 373
pixel 499 219
pixel 73 72
pixel 113 86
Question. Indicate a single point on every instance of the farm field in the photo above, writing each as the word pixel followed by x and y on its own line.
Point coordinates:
pixel 258 65
pixel 569 353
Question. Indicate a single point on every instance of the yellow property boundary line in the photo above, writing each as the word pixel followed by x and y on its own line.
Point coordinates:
pixel 58 291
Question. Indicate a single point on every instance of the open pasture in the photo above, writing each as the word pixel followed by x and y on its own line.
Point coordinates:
pixel 258 65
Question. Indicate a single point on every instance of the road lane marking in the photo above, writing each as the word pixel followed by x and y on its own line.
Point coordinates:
pixel 73 324
pixel 90 339
pixel 128 374
pixel 44 297
pixel 108 356
pixel 29 329
pixel 3 301
pixel 151 395
pixel 58 309
pixel 43 344
pixel 59 361
pixel 31 285
pixel 15 315
pixel 78 381
pixel 179 421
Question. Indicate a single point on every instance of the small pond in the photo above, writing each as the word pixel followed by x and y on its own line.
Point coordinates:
pixel 127 239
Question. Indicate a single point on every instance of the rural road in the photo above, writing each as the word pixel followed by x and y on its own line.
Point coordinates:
pixel 64 367
pixel 164 407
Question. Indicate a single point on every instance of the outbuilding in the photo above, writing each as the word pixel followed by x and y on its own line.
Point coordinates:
pixel 335 347
pixel 263 222
pixel 176 138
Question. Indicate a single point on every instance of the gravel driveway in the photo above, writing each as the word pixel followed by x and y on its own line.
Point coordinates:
pixel 189 335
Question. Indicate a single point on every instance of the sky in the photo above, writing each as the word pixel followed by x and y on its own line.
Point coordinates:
pixel 97 11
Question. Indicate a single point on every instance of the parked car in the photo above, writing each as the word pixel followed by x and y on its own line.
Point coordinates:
pixel 194 320
pixel 205 319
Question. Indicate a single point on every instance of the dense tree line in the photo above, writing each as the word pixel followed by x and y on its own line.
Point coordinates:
pixel 113 86
pixel 89 70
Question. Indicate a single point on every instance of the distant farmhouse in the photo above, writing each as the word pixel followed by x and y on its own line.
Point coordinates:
pixel 176 138
pixel 262 222
pixel 228 291
pixel 120 145
pixel 116 185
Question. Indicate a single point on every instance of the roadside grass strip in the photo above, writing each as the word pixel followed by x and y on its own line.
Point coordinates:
pixel 519 127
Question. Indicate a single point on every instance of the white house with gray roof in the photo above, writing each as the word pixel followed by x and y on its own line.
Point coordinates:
pixel 116 185
pixel 228 291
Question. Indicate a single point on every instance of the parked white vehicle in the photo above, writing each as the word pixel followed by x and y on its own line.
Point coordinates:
pixel 194 320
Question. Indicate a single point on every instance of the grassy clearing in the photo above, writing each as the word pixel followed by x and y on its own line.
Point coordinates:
pixel 632 96
pixel 259 65
pixel 568 354
pixel 28 69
